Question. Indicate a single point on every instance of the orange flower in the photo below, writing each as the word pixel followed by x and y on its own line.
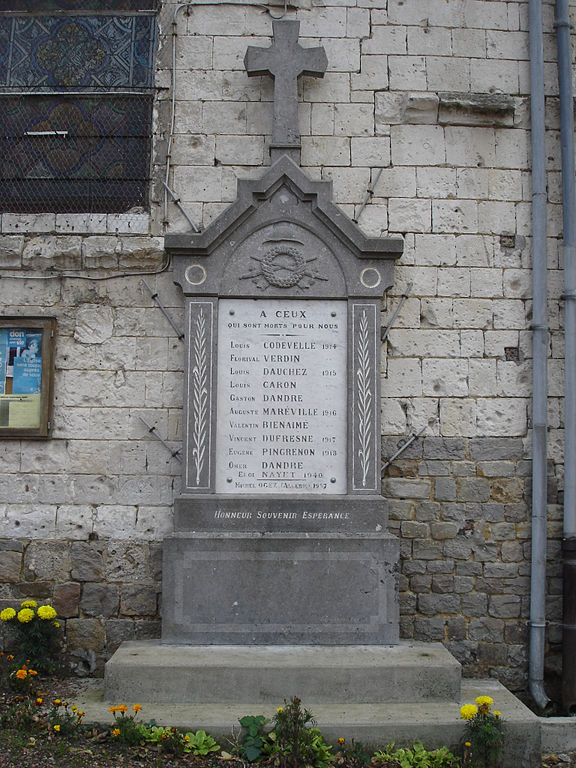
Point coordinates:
pixel 32 672
pixel 118 708
pixel 137 707
pixel 10 657
pixel 21 674
pixel 116 732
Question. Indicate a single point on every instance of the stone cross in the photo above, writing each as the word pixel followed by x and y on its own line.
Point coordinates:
pixel 285 60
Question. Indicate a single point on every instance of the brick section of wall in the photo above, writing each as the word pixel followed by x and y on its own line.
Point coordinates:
pixel 104 591
pixel 459 505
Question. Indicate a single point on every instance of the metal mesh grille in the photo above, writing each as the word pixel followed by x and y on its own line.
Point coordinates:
pixel 74 154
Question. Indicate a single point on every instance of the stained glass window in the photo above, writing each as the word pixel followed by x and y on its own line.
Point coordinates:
pixel 75 106
pixel 35 6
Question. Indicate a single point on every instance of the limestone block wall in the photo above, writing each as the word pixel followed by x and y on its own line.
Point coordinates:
pixel 428 103
pixel 82 515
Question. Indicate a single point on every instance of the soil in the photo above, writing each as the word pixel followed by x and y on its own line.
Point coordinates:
pixel 38 747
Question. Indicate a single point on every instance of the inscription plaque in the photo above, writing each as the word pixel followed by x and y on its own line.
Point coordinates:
pixel 282 398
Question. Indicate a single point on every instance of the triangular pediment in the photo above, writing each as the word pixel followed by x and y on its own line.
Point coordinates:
pixel 286 208
pixel 285 176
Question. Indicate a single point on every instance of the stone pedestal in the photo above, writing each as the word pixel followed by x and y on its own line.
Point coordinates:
pixel 280 588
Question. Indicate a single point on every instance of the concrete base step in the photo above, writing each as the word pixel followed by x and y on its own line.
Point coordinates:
pixel 434 723
pixel 408 672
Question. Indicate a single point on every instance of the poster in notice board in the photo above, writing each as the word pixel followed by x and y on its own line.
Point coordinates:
pixel 26 352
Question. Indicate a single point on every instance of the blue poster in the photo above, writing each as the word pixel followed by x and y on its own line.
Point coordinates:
pixel 32 344
pixel 27 376
pixel 3 359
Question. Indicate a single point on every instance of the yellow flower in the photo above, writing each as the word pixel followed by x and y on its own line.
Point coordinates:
pixel 467 744
pixel 137 707
pixel 484 700
pixel 56 624
pixel 187 738
pixel 39 700
pixel 21 674
pixel 57 728
pixel 468 711
pixel 116 732
pixel 74 707
pixel 10 657
pixel 57 702
pixel 25 615
pixel 7 614
pixel 80 714
pixel 341 740
pixel 279 709
pixel 46 612
pixel 497 713
pixel 28 604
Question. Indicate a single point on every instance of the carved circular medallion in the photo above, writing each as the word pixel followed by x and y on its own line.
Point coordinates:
pixel 195 274
pixel 283 266
pixel 370 277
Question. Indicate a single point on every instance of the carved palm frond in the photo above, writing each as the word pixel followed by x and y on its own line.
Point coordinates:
pixel 199 396
pixel 364 401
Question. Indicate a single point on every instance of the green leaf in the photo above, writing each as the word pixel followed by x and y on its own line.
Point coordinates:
pixel 252 752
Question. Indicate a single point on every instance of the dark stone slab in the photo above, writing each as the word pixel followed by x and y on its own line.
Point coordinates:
pixel 281 589
pixel 100 600
pixel 66 599
pixel 10 545
pixel 495 448
pixel 138 600
pixel 87 562
pixel 10 566
pixel 279 513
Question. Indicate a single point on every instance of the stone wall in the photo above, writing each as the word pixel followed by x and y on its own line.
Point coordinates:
pixel 429 102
